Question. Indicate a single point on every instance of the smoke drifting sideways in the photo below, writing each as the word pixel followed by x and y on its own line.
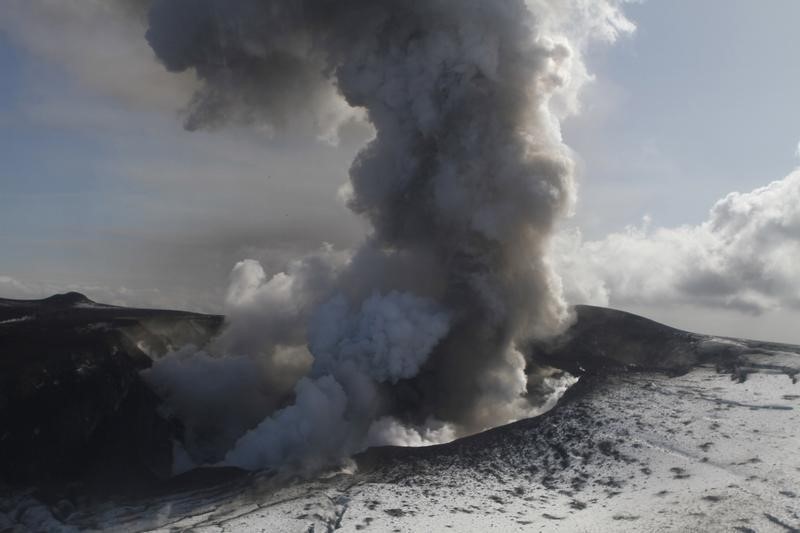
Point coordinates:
pixel 413 338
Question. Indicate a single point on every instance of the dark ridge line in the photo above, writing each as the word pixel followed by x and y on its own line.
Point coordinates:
pixel 73 301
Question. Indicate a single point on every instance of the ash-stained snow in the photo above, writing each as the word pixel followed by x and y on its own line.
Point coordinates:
pixel 16 320
pixel 633 451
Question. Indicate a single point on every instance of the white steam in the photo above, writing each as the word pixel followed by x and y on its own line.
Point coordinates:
pixel 388 431
pixel 388 339
pixel 265 313
pixel 412 338
pixel 216 399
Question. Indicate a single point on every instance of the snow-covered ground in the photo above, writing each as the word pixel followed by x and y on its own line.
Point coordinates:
pixel 635 451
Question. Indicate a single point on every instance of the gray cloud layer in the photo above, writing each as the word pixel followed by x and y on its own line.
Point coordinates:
pixel 100 43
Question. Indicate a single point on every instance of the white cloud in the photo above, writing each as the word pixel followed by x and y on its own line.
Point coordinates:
pixel 12 288
pixel 743 257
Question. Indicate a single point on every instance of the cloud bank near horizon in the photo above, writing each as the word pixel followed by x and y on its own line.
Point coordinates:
pixel 744 258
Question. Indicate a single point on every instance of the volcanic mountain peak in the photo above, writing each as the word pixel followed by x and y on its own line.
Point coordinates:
pixel 67 299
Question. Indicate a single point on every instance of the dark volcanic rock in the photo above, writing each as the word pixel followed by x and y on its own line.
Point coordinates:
pixel 603 339
pixel 72 403
pixel 632 435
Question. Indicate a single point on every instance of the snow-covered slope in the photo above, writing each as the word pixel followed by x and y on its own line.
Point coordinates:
pixel 629 448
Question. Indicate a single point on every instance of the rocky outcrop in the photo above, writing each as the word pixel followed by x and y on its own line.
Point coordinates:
pixel 72 403
pixel 602 340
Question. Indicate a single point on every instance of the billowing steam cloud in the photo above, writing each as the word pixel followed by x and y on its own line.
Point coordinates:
pixel 413 337
pixel 744 257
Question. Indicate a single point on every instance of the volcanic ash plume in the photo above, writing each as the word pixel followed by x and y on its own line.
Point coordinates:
pixel 415 336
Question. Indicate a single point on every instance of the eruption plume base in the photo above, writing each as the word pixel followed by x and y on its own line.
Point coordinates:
pixel 417 332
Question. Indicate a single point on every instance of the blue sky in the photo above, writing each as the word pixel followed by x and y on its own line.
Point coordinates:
pixel 99 190
pixel 700 101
